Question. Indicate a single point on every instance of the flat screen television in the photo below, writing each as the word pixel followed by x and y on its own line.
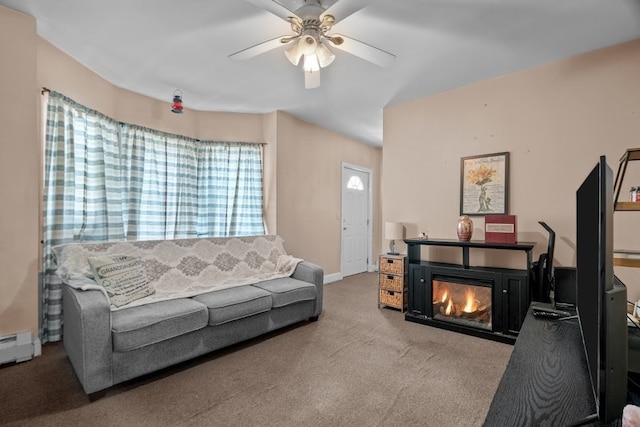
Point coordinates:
pixel 601 299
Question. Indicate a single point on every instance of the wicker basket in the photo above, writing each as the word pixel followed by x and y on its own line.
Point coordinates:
pixel 392 266
pixel 391 298
pixel 391 283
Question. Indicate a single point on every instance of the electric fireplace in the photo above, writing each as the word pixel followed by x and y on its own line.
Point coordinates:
pixel 462 302
pixel 481 301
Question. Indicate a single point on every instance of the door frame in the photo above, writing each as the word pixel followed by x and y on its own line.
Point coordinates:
pixel 369 190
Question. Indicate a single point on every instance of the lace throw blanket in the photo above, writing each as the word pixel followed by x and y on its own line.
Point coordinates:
pixel 182 268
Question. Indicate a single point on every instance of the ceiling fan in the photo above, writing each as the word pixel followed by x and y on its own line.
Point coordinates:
pixel 311 23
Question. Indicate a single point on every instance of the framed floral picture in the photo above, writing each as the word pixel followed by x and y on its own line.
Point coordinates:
pixel 484 184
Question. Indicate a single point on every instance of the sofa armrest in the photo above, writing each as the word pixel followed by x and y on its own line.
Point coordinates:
pixel 312 273
pixel 87 337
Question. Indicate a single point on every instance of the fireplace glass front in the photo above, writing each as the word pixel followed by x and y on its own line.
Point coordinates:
pixel 467 304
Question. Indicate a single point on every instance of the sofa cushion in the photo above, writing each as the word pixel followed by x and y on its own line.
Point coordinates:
pixel 136 327
pixel 287 291
pixel 236 303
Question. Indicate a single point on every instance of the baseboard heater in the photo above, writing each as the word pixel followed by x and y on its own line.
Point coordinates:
pixel 19 347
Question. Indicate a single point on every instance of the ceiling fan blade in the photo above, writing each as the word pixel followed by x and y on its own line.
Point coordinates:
pixel 344 8
pixel 258 49
pixel 363 50
pixel 274 7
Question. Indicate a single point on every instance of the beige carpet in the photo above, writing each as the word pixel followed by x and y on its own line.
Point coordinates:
pixel 357 366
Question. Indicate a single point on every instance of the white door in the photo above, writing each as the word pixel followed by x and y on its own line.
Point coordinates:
pixel 355 220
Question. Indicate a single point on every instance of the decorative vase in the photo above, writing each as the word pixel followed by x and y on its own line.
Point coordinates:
pixel 465 228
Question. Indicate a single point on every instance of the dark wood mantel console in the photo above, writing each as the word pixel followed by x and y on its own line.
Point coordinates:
pixel 510 295
pixel 414 246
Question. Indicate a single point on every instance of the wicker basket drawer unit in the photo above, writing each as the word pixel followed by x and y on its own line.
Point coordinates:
pixel 392 298
pixel 393 264
pixel 392 281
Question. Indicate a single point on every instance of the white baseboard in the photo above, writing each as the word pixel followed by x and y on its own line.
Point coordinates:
pixel 329 278
pixel 19 347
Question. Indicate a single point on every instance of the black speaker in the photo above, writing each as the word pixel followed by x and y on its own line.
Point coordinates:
pixel 565 285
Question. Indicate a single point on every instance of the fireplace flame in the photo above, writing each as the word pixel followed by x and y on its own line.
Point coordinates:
pixel 445 296
pixel 449 308
pixel 471 304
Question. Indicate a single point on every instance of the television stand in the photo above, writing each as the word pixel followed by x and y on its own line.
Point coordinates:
pixel 430 281
pixel 546 381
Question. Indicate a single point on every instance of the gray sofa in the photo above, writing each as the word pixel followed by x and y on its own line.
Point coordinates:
pixel 108 345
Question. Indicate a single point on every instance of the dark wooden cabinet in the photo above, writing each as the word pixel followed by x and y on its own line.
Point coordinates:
pixel 513 290
pixel 510 293
pixel 417 290
pixel 510 296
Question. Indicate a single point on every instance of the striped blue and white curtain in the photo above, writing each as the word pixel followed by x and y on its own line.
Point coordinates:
pixel 82 193
pixel 109 181
pixel 229 190
pixel 160 175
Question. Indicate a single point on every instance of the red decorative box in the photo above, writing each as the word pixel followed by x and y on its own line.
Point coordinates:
pixel 500 228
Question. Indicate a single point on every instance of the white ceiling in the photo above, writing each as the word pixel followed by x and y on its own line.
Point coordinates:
pixel 153 47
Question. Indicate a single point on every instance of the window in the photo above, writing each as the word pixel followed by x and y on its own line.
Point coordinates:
pixel 109 181
pixel 355 183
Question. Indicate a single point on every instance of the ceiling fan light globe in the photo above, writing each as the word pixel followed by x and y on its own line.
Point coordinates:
pixel 308 44
pixel 293 53
pixel 325 56
pixel 311 63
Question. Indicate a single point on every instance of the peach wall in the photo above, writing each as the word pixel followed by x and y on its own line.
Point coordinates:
pixel 58 71
pixel 309 177
pixel 19 175
pixel 555 120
